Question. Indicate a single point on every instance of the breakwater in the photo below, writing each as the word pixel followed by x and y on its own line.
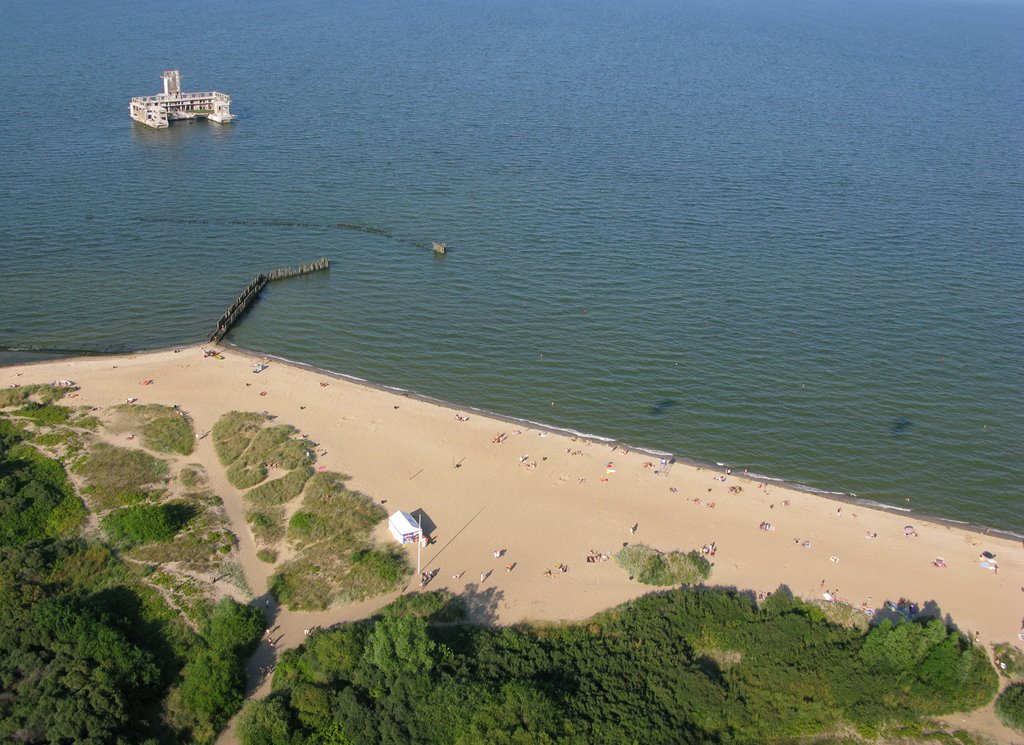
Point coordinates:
pixel 252 291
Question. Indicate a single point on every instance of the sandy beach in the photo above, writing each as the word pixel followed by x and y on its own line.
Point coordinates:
pixel 544 498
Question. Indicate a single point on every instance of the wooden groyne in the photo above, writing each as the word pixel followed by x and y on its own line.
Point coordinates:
pixel 252 291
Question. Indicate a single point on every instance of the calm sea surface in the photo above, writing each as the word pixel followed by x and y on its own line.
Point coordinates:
pixel 788 236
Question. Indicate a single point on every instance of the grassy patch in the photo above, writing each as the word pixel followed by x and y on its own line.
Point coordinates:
pixel 47 415
pixel 249 449
pixel 163 428
pixel 267 555
pixel 280 490
pixel 267 524
pixel 233 432
pixel 329 573
pixel 842 614
pixel 191 475
pixel 116 476
pixel 652 567
pixel 146 523
pixel 336 560
pixel 272 446
pixel 331 511
pixel 40 393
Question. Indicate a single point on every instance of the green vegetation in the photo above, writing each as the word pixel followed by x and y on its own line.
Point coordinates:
pixel 1010 706
pixel 281 490
pixel 46 415
pixel 36 498
pixel 680 666
pixel 336 558
pixel 90 650
pixel 233 432
pixel 40 393
pixel 248 448
pixel 652 567
pixel 165 429
pixel 1009 660
pixel 267 555
pixel 267 524
pixel 213 682
pixel 146 523
pixel 192 475
pixel 118 476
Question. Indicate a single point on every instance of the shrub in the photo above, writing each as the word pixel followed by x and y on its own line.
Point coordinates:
pixel 652 567
pixel 45 414
pixel 265 722
pixel 267 524
pixel 267 555
pixel 146 523
pixel 1010 706
pixel 280 490
pixel 299 587
pixel 1009 660
pixel 438 605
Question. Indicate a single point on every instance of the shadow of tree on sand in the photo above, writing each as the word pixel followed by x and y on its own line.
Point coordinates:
pixel 481 603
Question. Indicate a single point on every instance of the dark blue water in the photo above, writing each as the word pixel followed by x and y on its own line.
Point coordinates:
pixel 788 236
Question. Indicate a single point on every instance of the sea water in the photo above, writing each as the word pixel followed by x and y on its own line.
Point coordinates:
pixel 785 236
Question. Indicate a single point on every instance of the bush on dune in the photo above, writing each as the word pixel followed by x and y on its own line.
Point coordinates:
pixel 1010 706
pixel 652 567
pixel 146 523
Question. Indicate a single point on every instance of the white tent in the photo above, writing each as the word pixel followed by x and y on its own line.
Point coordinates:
pixel 404 527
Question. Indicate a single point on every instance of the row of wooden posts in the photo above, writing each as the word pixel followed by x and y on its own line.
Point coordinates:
pixel 253 290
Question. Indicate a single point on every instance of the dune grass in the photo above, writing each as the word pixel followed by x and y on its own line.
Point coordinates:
pixel 39 392
pixel 117 476
pixel 233 432
pixel 652 567
pixel 329 511
pixel 266 524
pixel 192 475
pixel 322 576
pixel 163 428
pixel 248 448
pixel 280 490
pixel 337 559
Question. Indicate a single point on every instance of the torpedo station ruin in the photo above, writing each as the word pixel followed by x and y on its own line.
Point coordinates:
pixel 156 111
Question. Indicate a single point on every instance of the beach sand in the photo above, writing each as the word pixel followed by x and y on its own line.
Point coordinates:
pixel 482 497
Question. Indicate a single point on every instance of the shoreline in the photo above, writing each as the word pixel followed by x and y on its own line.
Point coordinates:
pixel 717 466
